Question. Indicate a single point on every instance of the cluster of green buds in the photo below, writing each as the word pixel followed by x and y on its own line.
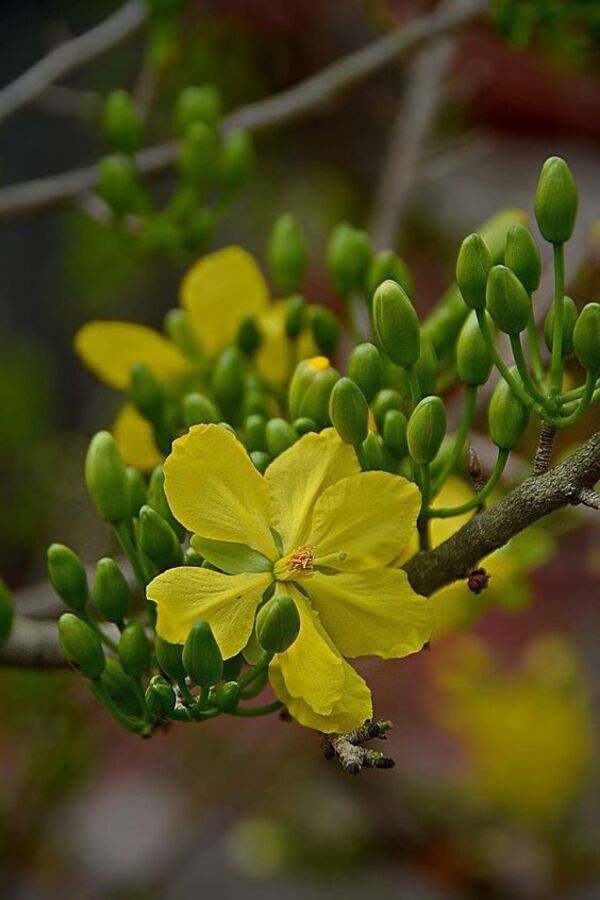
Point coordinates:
pixel 213 166
pixel 108 633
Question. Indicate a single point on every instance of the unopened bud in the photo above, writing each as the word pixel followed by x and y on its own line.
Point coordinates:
pixel 199 410
pixel 384 401
pixel 349 412
pixel 365 367
pixel 228 381
pixel 201 656
pixel 226 697
pixel 145 392
pixel 396 324
pixel 121 688
pixel 287 254
pixel 569 321
pixel 522 255
pixel 556 201
pixel 81 646
pixel 111 592
pixel 197 104
pixel 279 436
pixel 134 650
pixel 255 437
pixel 349 254
pixel 586 337
pixel 473 356
pixel 325 329
pixel 106 478
pixel 278 624
pixel 261 460
pixel 157 499
pixel 116 183
pixel 160 697
pixel 170 658
pixel 177 326
pixel 427 368
pixel 238 159
pixel 303 425
pixel 394 433
pixel 508 302
pixel 137 490
pixel 198 155
pixel 310 389
pixel 249 336
pixel 372 453
pixel 67 575
pixel 388 265
pixel 122 124
pixel 472 269
pixel 295 314
pixel 426 430
pixel 507 417
pixel 157 540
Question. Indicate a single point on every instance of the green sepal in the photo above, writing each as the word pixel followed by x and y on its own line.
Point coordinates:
pixel 226 696
pixel 201 656
pixel 295 315
pixel 160 697
pixel 178 328
pixel 230 557
pixel 277 623
pixel 116 183
pixel 304 425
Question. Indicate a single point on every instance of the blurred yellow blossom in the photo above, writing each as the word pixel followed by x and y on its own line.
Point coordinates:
pixel 314 527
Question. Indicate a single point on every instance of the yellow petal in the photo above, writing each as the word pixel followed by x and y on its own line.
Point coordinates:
pixel 135 439
pixel 215 491
pixel 299 476
pixel 110 349
pixel 312 668
pixel 274 359
pixel 219 291
pixel 374 613
pixel 369 517
pixel 352 709
pixel 227 602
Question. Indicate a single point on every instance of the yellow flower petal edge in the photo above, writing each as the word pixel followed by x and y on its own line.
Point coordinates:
pixel 214 490
pixel 373 613
pixel 299 476
pixel 369 518
pixel 352 709
pixel 110 349
pixel 135 439
pixel 219 291
pixel 227 602
pixel 312 669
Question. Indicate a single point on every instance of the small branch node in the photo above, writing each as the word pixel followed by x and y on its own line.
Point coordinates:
pixel 543 455
pixel 348 748
pixel 589 497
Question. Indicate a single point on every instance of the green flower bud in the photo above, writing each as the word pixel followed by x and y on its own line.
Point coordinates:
pixel 394 433
pixel 232 667
pixel 196 233
pixel 228 381
pixel 81 646
pixel 191 557
pixel 226 697
pixel 249 336
pixel 427 368
pixel 122 125
pixel 158 540
pixel 261 460
pixel 556 201
pixel 365 367
pixel 157 499
pixel 106 478
pixel 177 326
pixel 372 453
pixel 384 401
pixel 426 430
pixel 303 425
pixel 6 611
pixel 349 412
pixel 160 697
pixel 349 254
pixel 508 302
pixel 121 688
pixel 170 658
pixel 295 313
pixel 586 337
pixel 137 490
pixel 473 357
pixel 522 255
pixel 145 392
pixel 255 433
pixel 198 155
pixel 197 104
pixel 310 389
pixel 287 254
pixel 67 575
pixel 257 403
pixel 396 324
pixel 388 265
pixel 111 592
pixel 116 183
pixel 238 159
pixel 134 650
pixel 325 329
pixel 199 410
pixel 280 435
pixel 569 322
pixel 277 624
pixel 201 656
pixel 472 269
pixel 507 417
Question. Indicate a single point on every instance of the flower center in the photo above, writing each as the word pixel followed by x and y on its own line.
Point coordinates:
pixel 297 564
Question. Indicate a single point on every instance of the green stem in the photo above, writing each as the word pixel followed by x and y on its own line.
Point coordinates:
pixel 102 694
pixel 459 440
pixel 580 409
pixel 534 347
pixel 577 392
pixel 530 386
pixel 122 530
pixel 515 386
pixel 448 512
pixel 255 671
pixel 188 697
pixel 252 711
pixel 556 364
pixel 108 642
pixel 256 686
pixel 570 407
pixel 413 385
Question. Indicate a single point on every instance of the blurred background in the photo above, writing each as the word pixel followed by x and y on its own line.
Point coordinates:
pixel 496 789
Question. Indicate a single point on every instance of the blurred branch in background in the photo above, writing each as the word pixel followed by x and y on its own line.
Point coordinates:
pixel 314 92
pixel 71 55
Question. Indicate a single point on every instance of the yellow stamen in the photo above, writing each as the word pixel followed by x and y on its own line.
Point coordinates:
pixel 297 564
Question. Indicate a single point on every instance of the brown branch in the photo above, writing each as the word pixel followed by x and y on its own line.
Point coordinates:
pixel 309 95
pixel 569 483
pixel 71 55
pixel 32 644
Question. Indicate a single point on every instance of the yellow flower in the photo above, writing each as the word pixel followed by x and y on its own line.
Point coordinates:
pixel 315 527
pixel 217 293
